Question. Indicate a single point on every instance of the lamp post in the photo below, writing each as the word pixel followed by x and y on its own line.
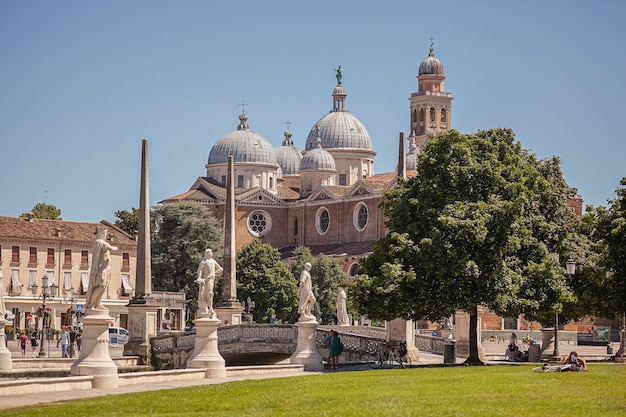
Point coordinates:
pixel 570 269
pixel 47 291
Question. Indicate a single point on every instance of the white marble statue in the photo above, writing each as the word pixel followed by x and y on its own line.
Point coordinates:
pixel 100 272
pixel 305 292
pixel 206 274
pixel 342 311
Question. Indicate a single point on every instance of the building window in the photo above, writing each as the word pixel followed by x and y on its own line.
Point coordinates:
pixel 322 220
pixel 432 114
pixel 295 226
pixel 271 183
pixel 67 283
pixel 125 260
pixel 360 217
pixel 342 179
pixel 32 257
pixel 32 278
pixel 414 116
pixel 223 180
pixel 84 258
pixel 15 254
pixel 259 223
pixel 50 258
pixel 240 181
pixel 127 288
pixel 84 283
pixel 67 257
pixel 16 285
pixel 444 116
pixel 354 269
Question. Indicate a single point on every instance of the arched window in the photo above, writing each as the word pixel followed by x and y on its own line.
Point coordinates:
pixel 414 116
pixel 354 269
pixel 295 226
pixel 360 217
pixel 322 220
pixel 444 116
pixel 432 114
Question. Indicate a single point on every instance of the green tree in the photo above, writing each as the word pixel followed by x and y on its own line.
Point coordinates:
pixel 44 211
pixel 263 277
pixel 477 226
pixel 326 278
pixel 183 231
pixel 128 221
pixel 611 233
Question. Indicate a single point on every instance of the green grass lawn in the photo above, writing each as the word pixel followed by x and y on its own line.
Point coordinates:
pixel 507 390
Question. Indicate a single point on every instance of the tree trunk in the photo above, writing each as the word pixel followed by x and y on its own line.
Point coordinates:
pixel 473 359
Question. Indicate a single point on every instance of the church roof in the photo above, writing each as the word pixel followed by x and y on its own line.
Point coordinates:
pixel 318 159
pixel 288 156
pixel 431 65
pixel 244 145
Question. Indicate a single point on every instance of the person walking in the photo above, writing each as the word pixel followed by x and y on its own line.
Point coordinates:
pixel 64 340
pixel 34 341
pixel 335 349
pixel 23 340
pixel 72 347
pixel 79 341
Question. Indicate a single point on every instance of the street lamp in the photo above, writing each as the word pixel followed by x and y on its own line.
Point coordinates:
pixel 47 291
pixel 570 269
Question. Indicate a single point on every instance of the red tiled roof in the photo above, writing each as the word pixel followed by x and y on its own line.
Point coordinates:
pixel 57 230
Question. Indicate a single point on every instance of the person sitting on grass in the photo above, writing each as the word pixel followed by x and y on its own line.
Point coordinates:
pixel 573 362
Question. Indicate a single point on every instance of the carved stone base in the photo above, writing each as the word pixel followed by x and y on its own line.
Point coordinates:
pixel 206 354
pixel 94 358
pixel 306 350
pixel 142 319
pixel 5 354
pixel 229 312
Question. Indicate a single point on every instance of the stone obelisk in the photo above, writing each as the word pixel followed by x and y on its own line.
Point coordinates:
pixel 142 310
pixel 228 308
pixel 401 158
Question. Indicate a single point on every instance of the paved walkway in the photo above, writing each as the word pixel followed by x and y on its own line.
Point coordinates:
pixel 492 349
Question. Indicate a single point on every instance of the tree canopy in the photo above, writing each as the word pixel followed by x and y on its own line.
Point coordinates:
pixel 183 231
pixel 44 211
pixel 326 278
pixel 263 277
pixel 479 225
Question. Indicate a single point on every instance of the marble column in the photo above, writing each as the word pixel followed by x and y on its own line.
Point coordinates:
pixel 6 363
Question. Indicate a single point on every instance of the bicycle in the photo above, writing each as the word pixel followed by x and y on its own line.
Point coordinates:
pixel 388 356
pixel 568 367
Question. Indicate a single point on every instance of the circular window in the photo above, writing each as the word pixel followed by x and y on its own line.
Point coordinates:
pixel 322 220
pixel 360 217
pixel 259 223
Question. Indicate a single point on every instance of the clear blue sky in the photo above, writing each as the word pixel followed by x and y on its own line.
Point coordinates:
pixel 82 82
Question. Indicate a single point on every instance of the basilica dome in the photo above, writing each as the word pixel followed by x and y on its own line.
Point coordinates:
pixel 288 156
pixel 244 145
pixel 431 65
pixel 318 159
pixel 339 129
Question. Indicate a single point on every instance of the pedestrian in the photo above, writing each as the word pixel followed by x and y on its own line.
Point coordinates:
pixel 335 349
pixel 23 340
pixel 34 341
pixel 71 347
pixel 79 341
pixel 64 340
pixel 327 344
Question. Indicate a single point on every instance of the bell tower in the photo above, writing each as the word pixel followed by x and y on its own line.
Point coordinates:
pixel 430 106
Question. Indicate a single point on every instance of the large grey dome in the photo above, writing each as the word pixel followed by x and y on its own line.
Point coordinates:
pixel 244 145
pixel 431 65
pixel 318 159
pixel 288 156
pixel 339 129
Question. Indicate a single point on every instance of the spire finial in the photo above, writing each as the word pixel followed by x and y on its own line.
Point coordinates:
pixel 432 42
pixel 243 106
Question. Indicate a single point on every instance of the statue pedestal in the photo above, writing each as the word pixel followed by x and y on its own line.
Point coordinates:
pixel 94 358
pixel 400 330
pixel 5 354
pixel 206 354
pixel 306 350
pixel 229 312
pixel 142 320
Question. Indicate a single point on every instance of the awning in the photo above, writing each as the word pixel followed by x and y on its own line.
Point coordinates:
pixel 126 283
pixel 67 280
pixel 16 284
pixel 32 278
pixel 84 280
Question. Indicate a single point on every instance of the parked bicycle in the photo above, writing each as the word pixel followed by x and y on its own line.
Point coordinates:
pixel 388 356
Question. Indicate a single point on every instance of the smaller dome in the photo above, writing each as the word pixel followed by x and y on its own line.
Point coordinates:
pixel 431 65
pixel 288 156
pixel 318 159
